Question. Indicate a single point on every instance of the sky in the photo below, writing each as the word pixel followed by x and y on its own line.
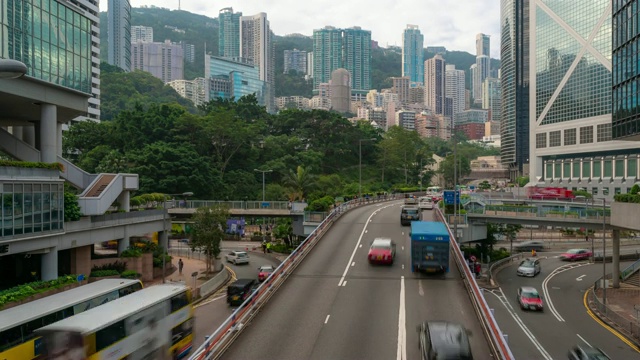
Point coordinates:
pixel 450 23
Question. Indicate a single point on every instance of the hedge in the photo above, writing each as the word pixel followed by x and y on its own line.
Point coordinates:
pixel 130 274
pixel 103 273
pixel 627 198
pixel 32 165
pixel 23 291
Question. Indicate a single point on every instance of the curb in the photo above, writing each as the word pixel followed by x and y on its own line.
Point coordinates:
pixel 223 284
pixel 613 325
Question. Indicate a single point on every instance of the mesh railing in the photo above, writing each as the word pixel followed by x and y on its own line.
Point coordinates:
pixel 621 322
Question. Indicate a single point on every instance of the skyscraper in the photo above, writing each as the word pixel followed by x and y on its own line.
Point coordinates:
pixel 412 54
pixel 340 93
pixel 455 88
pixel 491 98
pixel 295 60
pixel 342 48
pixel 401 87
pixel 483 45
pixel 514 80
pixel 435 84
pixel 119 34
pixel 163 60
pixel 480 74
pixel 141 34
pixel 570 109
pixel 256 47
pixel 229 33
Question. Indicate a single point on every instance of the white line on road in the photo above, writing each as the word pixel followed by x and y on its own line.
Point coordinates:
pixel 579 278
pixel 402 326
pixel 364 229
pixel 210 301
pixel 420 288
pixel 403 248
pixel 344 283
pixel 585 341
pixel 353 263
pixel 403 233
pixel 402 266
pixel 545 291
pixel 327 319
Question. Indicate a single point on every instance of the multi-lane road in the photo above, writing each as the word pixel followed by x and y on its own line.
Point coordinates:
pixel 337 306
pixel 565 321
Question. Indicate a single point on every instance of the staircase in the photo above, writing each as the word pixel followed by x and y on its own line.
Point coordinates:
pixel 99 185
pixel 633 279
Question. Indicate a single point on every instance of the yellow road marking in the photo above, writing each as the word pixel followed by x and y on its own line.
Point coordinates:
pixel 611 330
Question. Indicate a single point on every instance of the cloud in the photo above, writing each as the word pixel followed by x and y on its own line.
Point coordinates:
pixel 450 23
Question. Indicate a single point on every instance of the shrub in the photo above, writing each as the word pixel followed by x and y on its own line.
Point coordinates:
pixel 103 273
pixel 280 248
pixel 117 266
pixel 71 207
pixel 33 165
pixel 130 274
pixel 635 189
pixel 322 204
pixel 157 261
pixel 23 291
pixel 131 252
pixel 627 198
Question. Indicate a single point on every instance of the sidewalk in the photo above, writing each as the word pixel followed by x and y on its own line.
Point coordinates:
pixel 623 309
pixel 191 265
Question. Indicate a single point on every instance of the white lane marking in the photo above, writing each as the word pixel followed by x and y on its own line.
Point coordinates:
pixel 402 266
pixel 420 288
pixel 210 301
pixel 545 283
pixel 402 326
pixel 346 270
pixel 585 341
pixel 403 233
pixel 344 283
pixel 327 319
pixel 521 324
pixel 403 248
pixel 353 263
pixel 579 278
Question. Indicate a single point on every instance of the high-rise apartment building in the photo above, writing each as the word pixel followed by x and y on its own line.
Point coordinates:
pixel 163 60
pixel 189 51
pixel 295 60
pixel 309 71
pixel 435 84
pixel 416 94
pixel 342 48
pixel 492 99
pixel 228 78
pixel 256 47
pixel 626 70
pixel 340 91
pixel 514 82
pixel 193 90
pixel 483 45
pixel 455 88
pixel 570 108
pixel 481 73
pixel 141 34
pixel 229 33
pixel 401 87
pixel 119 34
pixel 412 54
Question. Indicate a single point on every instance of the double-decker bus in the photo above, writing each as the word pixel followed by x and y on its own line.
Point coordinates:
pixel 153 323
pixel 17 324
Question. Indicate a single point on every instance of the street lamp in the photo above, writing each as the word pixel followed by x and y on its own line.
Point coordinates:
pixel 12 69
pixel 360 166
pixel 164 227
pixel 604 248
pixel 264 234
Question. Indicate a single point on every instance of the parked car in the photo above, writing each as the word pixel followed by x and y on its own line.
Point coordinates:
pixel 587 353
pixel 443 340
pixel 576 254
pixel 382 251
pixel 426 203
pixel 529 299
pixel 529 245
pixel 529 267
pixel 237 257
pixel 264 271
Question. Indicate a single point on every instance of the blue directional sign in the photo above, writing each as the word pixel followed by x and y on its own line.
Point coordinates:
pixel 451 197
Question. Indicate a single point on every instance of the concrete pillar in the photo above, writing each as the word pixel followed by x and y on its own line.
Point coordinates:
pixel 29 135
pixel 48 133
pixel 123 244
pixel 163 239
pixel 616 259
pixel 49 265
pixel 81 261
pixel 58 139
pixel 124 200
pixel 17 132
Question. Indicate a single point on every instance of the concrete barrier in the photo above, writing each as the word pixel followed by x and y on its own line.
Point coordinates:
pixel 212 285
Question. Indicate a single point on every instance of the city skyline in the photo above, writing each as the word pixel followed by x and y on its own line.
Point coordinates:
pixel 454 26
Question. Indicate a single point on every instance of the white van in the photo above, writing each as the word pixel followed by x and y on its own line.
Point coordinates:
pixel 426 203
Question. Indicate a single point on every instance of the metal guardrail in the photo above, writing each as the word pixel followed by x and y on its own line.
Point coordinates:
pixel 499 345
pixel 236 205
pixel 632 328
pixel 225 334
pixel 518 211
pixel 494 266
pixel 630 270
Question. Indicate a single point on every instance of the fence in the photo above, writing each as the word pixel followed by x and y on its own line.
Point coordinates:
pixel 221 338
pixel 494 266
pixel 630 270
pixel 624 324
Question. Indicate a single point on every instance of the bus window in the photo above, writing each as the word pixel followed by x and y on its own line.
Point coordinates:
pixel 110 335
pixel 179 301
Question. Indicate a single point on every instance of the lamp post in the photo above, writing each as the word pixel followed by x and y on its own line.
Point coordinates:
pixel 604 248
pixel 12 69
pixel 164 227
pixel 360 165
pixel 264 234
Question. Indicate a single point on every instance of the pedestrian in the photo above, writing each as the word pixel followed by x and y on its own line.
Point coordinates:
pixel 586 238
pixel 180 266
pixel 478 269
pixel 260 227
pixel 264 246
pixel 533 252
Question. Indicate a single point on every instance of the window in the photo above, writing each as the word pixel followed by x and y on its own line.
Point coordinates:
pixel 179 301
pixel 541 141
pixel 632 167
pixel 608 168
pixel 586 134
pixel 549 171
pixel 604 132
pixel 594 191
pixel 570 137
pixel 617 191
pixel 586 169
pixel 10 338
pixel 566 171
pixel 605 191
pixel 554 138
pixel 110 335
pixel 556 170
pixel 576 169
pixel 619 170
pixel 597 166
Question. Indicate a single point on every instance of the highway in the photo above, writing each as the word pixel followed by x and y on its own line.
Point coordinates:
pixel 564 322
pixel 336 306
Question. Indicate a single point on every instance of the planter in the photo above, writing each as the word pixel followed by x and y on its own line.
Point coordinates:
pixel 40 295
pixel 94 279
pixel 21 172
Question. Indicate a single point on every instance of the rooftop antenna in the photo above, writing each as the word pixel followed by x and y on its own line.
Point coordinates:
pixel 178 4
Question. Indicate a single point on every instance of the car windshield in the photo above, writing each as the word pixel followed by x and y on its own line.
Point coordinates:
pixel 531 295
pixel 410 212
pixel 573 251
pixel 379 247
pixel 266 269
pixel 527 264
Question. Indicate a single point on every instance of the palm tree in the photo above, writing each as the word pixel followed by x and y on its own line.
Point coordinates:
pixel 299 182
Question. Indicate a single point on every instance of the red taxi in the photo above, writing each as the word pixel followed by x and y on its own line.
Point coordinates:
pixel 382 251
pixel 529 299
pixel 264 271
pixel 576 254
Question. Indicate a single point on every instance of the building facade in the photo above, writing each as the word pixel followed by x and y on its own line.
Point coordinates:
pixel 141 34
pixel 483 45
pixel 406 119
pixel 492 99
pixel 295 60
pixel 401 87
pixel 455 88
pixel 229 33
pixel 189 51
pixel 340 91
pixel 232 79
pixel 570 102
pixel 435 84
pixel 481 73
pixel 257 47
pixel 514 83
pixel 413 54
pixel 472 123
pixel 163 60
pixel 626 70
pixel 119 34
pixel 193 90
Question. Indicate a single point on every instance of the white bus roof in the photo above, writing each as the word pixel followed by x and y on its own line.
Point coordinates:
pixel 38 308
pixel 107 314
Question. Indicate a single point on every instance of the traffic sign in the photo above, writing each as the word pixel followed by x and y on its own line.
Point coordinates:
pixel 451 197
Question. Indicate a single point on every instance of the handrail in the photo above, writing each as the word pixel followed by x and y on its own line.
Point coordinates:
pixel 500 262
pixel 229 330
pixel 630 270
pixel 498 342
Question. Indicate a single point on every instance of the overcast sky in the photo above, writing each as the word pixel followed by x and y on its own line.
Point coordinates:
pixel 450 23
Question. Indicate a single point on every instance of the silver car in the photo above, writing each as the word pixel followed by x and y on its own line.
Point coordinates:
pixel 237 257
pixel 529 267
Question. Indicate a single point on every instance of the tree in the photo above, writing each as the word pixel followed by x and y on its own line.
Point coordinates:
pixel 522 181
pixel 509 231
pixel 284 230
pixel 71 207
pixel 207 231
pixel 300 183
pixel 447 169
pixel 484 185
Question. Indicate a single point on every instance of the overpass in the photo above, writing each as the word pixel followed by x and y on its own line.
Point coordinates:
pixel 240 208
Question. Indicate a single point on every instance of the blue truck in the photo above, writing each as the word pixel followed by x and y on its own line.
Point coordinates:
pixel 429 247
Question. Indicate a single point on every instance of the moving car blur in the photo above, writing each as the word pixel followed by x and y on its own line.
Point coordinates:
pixel 529 299
pixel 587 353
pixel 382 251
pixel 443 340
pixel 264 271
pixel 576 254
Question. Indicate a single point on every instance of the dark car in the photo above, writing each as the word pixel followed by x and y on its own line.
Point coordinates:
pixel 443 340
pixel 587 353
pixel 240 290
pixel 529 245
pixel 409 214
